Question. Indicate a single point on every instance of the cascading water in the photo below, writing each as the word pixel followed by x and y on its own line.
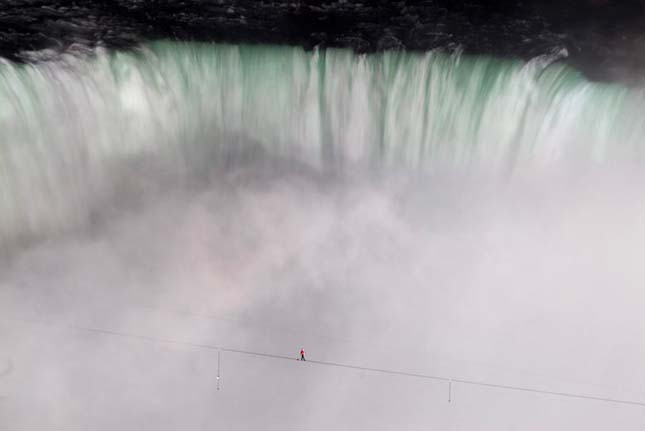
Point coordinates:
pixel 71 126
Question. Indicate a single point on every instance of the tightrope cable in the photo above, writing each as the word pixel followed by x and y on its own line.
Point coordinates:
pixel 217 348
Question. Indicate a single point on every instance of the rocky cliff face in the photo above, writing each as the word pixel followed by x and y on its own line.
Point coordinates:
pixel 603 38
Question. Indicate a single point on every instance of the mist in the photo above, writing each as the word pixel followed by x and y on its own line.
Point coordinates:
pixel 530 281
pixel 526 275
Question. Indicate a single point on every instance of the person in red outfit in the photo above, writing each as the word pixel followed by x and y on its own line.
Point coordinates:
pixel 302 355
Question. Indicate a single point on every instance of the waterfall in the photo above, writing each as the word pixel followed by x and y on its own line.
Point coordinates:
pixel 72 127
